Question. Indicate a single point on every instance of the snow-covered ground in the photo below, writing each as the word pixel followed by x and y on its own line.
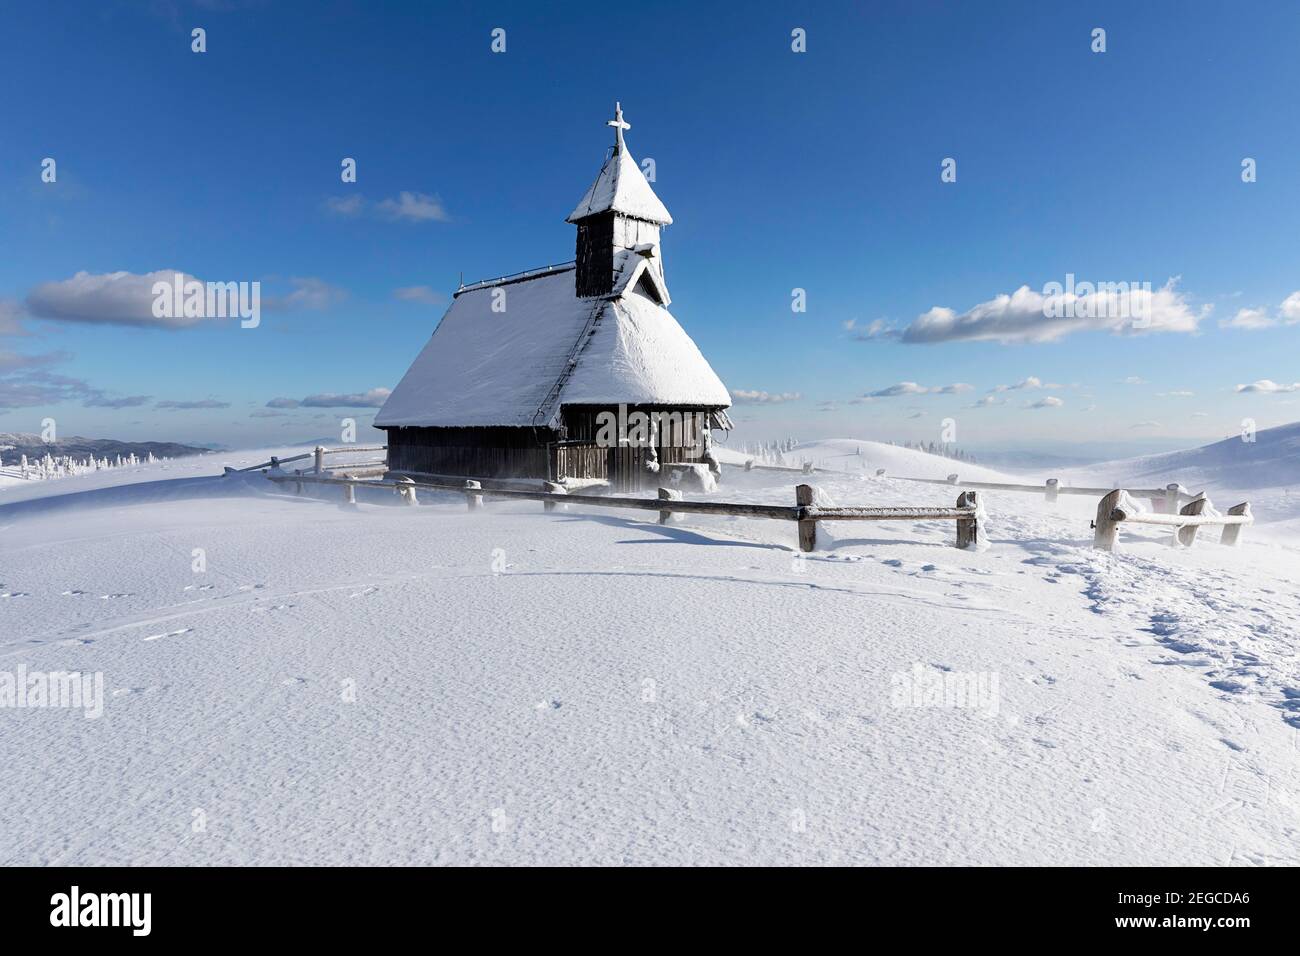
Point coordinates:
pixel 386 684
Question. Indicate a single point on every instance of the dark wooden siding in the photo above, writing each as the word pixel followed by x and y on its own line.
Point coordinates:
pixel 508 452
pixel 594 255
pixel 472 452
pixel 624 467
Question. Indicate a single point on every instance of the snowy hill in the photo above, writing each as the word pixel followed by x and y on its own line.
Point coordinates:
pixel 865 457
pixel 1272 460
pixel 387 684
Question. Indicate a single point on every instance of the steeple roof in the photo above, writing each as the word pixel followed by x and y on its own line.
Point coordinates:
pixel 621 186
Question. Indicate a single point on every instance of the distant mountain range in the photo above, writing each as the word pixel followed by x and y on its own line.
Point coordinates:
pixel 15 444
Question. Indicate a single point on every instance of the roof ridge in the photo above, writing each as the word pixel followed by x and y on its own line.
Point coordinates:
pixel 513 277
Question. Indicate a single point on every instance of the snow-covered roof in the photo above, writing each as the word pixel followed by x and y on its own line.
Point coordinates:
pixel 499 368
pixel 632 267
pixel 622 188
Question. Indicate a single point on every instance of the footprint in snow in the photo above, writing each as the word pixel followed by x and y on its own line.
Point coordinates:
pixel 364 592
pixel 72 593
pixel 548 705
pixel 120 594
pixel 1228 686
pixel 892 562
pixel 293 681
pixel 14 594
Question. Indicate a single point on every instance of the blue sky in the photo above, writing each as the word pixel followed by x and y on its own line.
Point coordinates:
pixel 817 170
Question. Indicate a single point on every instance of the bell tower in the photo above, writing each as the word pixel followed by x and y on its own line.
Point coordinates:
pixel 619 213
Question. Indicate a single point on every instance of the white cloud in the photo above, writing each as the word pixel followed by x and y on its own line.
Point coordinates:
pixel 1265 385
pixel 1177 394
pixel 744 397
pixel 126 401
pixel 1251 319
pixel 308 293
pixel 114 298
pixel 912 388
pixel 879 329
pixel 1029 316
pixel 1290 308
pixel 423 294
pixel 988 401
pixel 1133 380
pixel 1146 425
pixel 414 207
pixel 202 403
pixel 374 398
pixel 1033 381
pixel 407 206
pixel 1047 401
pixel 1248 319
pixel 345 205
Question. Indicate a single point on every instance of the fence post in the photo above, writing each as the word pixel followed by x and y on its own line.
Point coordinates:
pixel 668 494
pixel 1052 490
pixel 1232 532
pixel 1107 533
pixel 320 459
pixel 473 500
pixel 1187 534
pixel 1171 497
pixel 803 497
pixel 349 494
pixel 807 468
pixel 749 464
pixel 967 528
pixel 297 485
pixel 554 488
pixel 408 491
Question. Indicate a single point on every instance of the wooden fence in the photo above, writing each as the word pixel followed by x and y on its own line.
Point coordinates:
pixel 1166 499
pixel 804 512
pixel 357 469
pixel 806 468
pixel 1119 507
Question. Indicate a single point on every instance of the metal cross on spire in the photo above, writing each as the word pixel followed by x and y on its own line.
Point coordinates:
pixel 619 126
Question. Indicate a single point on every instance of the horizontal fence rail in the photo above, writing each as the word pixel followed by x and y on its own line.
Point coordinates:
pixel 967 513
pixel 318 455
pixel 1167 498
pixel 807 468
pixel 1118 507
